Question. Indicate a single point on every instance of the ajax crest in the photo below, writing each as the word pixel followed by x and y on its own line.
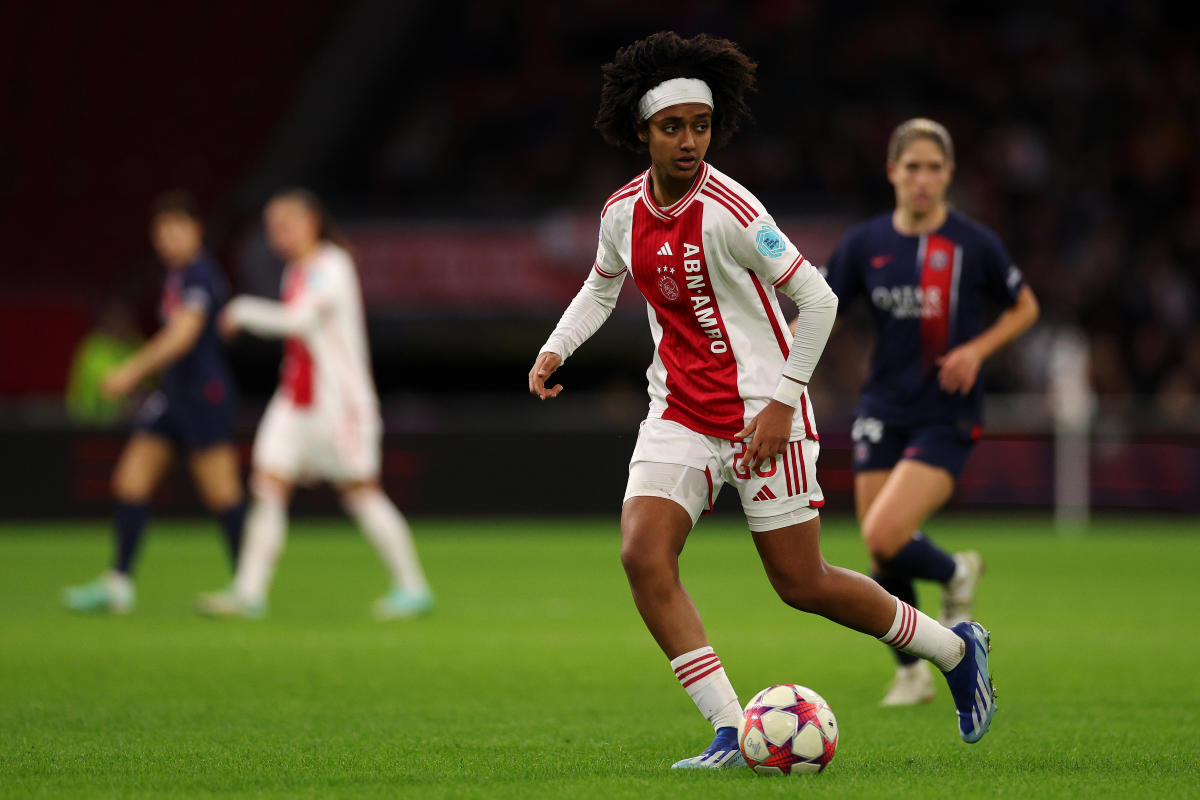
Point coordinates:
pixel 770 242
pixel 667 284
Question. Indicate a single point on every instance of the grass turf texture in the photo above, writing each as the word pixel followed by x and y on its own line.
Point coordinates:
pixel 535 677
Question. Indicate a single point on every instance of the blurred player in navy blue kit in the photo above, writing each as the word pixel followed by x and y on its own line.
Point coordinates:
pixel 192 412
pixel 927 273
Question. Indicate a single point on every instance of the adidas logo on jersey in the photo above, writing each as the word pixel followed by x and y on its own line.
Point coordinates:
pixel 764 493
pixel 665 250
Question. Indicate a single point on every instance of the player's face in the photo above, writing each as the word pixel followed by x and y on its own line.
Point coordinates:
pixel 921 176
pixel 291 227
pixel 678 137
pixel 176 238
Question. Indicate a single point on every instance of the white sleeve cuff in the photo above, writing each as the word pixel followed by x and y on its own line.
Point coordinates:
pixel 789 392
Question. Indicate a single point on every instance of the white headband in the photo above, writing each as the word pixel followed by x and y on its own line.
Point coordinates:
pixel 672 93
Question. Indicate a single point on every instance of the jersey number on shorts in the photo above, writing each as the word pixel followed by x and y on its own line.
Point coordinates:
pixel 743 472
pixel 793 466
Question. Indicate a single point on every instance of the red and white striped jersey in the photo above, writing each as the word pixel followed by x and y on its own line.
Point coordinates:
pixel 326 360
pixel 708 267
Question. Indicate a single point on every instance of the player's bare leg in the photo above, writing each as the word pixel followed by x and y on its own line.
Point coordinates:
pixel 912 491
pixel 140 468
pixel 217 477
pixel 867 485
pixel 653 533
pixel 266 528
pixel 388 531
pixel 892 504
pixel 802 578
pixel 913 682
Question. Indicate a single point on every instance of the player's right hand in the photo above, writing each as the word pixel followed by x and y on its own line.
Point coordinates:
pixel 227 326
pixel 543 368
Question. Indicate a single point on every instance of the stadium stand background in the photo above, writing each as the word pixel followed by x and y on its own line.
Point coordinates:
pixel 454 141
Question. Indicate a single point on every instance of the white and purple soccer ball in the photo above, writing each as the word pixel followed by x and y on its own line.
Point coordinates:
pixel 787 730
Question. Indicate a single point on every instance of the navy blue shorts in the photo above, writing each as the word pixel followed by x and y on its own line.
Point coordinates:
pixel 191 423
pixel 880 446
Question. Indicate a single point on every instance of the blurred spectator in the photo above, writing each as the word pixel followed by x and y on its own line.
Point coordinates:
pixel 114 338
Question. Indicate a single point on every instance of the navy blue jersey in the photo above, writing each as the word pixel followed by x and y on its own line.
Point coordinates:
pixel 927 294
pixel 202 372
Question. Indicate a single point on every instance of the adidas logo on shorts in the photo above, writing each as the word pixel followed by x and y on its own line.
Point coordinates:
pixel 764 493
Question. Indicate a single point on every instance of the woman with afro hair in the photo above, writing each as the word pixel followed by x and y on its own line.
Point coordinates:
pixel 728 390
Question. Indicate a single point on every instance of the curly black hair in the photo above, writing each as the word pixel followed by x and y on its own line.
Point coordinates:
pixel 665 55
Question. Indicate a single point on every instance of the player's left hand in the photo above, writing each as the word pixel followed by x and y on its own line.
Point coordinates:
pixel 958 369
pixel 118 383
pixel 770 430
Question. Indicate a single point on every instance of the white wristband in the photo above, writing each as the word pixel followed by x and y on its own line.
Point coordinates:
pixel 789 392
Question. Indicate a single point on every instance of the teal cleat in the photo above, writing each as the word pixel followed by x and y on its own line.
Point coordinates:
pixel 723 753
pixel 403 604
pixel 111 593
pixel 227 605
pixel 971 683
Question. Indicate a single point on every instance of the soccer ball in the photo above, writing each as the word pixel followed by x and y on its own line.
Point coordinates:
pixel 787 730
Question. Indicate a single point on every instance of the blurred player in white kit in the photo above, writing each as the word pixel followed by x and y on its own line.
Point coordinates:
pixel 323 421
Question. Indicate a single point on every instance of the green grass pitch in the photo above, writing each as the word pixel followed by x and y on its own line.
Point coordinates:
pixel 536 679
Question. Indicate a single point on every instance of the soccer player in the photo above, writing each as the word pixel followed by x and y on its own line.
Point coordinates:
pixel 192 412
pixel 927 272
pixel 323 421
pixel 728 397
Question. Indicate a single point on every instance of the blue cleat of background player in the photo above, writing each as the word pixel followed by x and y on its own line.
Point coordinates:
pixel 721 754
pixel 971 683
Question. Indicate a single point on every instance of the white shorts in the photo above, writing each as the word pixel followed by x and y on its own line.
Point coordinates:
pixel 303 444
pixel 678 464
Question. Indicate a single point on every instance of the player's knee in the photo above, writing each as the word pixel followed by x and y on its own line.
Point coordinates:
pixel 881 538
pixel 268 489
pixel 644 562
pixel 221 498
pixel 126 488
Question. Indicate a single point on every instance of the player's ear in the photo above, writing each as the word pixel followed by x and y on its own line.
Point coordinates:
pixel 643 132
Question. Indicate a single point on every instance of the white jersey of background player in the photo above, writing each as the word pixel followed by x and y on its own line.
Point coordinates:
pixel 728 397
pixel 323 421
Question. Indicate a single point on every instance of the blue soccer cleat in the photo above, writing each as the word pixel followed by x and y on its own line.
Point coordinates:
pixel 723 753
pixel 971 683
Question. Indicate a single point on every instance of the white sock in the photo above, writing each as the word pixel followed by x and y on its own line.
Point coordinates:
pixel 701 674
pixel 266 526
pixel 385 527
pixel 960 569
pixel 920 635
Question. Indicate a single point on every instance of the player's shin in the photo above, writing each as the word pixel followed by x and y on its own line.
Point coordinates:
pixel 129 521
pixel 703 678
pixel 265 529
pixel 921 558
pixel 922 636
pixel 386 528
pixel 233 521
